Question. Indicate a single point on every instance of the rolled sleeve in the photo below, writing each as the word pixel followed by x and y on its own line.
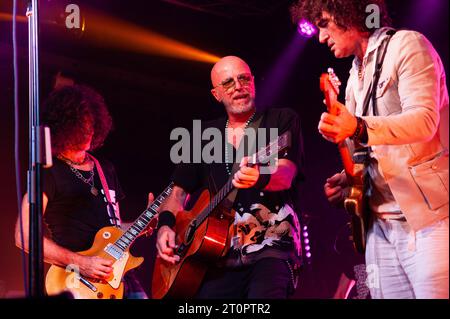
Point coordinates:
pixel 289 121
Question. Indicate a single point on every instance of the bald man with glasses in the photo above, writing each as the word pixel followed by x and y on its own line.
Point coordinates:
pixel 264 254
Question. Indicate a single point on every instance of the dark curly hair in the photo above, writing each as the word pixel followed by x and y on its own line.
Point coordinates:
pixel 73 113
pixel 346 13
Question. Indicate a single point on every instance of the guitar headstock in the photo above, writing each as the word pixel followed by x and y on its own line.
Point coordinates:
pixel 329 85
pixel 330 81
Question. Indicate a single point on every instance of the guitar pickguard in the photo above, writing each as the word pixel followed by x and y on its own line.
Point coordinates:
pixel 118 269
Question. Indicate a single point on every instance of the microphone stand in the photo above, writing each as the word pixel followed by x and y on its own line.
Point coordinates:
pixel 34 182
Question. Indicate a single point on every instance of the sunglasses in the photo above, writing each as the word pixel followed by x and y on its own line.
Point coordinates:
pixel 245 79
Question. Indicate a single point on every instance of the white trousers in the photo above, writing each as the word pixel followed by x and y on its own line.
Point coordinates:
pixel 402 264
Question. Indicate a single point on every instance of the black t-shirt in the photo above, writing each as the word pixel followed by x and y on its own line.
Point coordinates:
pixel 267 224
pixel 73 214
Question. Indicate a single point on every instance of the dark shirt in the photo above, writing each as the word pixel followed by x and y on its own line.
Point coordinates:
pixel 73 214
pixel 266 222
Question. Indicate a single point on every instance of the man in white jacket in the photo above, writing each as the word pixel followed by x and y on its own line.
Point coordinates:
pixel 400 119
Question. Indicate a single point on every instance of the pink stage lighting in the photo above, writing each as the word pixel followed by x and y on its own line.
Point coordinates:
pixel 306 29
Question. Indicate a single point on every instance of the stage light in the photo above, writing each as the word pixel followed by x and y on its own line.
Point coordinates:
pixel 306 29
pixel 276 80
pixel 105 31
pixel 8 17
pixel 306 245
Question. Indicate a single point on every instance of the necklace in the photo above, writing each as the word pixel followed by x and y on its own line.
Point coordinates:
pixel 360 71
pixel 70 162
pixel 226 142
pixel 89 181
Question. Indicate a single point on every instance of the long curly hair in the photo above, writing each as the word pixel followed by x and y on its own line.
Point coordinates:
pixel 346 13
pixel 73 113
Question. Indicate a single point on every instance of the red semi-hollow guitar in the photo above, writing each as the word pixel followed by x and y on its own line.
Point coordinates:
pixel 354 202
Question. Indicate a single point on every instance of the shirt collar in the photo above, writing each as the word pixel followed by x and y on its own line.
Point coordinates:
pixel 375 41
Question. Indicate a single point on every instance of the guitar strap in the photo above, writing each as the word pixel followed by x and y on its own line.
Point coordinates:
pixel 113 213
pixel 371 94
pixel 363 155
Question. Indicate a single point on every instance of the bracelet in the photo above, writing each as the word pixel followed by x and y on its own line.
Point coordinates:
pixel 166 218
pixel 360 135
pixel 262 181
pixel 359 128
pixel 363 136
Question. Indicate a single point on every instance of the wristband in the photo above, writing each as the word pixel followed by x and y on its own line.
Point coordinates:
pixel 363 136
pixel 358 128
pixel 166 218
pixel 262 181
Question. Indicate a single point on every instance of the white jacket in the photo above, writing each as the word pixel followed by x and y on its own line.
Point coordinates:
pixel 410 135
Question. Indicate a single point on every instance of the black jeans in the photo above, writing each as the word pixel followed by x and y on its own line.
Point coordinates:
pixel 268 278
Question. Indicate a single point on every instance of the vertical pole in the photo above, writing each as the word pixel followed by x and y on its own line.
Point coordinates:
pixel 36 260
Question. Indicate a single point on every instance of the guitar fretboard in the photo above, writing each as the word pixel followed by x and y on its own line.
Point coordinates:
pixel 141 223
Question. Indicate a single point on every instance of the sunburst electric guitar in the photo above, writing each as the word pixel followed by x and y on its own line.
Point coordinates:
pixel 202 236
pixel 353 167
pixel 111 243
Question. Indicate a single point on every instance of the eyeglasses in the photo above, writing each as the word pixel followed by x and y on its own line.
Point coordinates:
pixel 245 79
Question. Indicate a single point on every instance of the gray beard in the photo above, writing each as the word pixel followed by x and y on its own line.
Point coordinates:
pixel 241 108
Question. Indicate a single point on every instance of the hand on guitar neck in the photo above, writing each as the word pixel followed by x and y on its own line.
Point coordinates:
pixel 348 188
pixel 338 124
pixel 247 176
pixel 336 128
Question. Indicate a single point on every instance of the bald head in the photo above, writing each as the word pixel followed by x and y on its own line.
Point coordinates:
pixel 227 65
pixel 238 95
